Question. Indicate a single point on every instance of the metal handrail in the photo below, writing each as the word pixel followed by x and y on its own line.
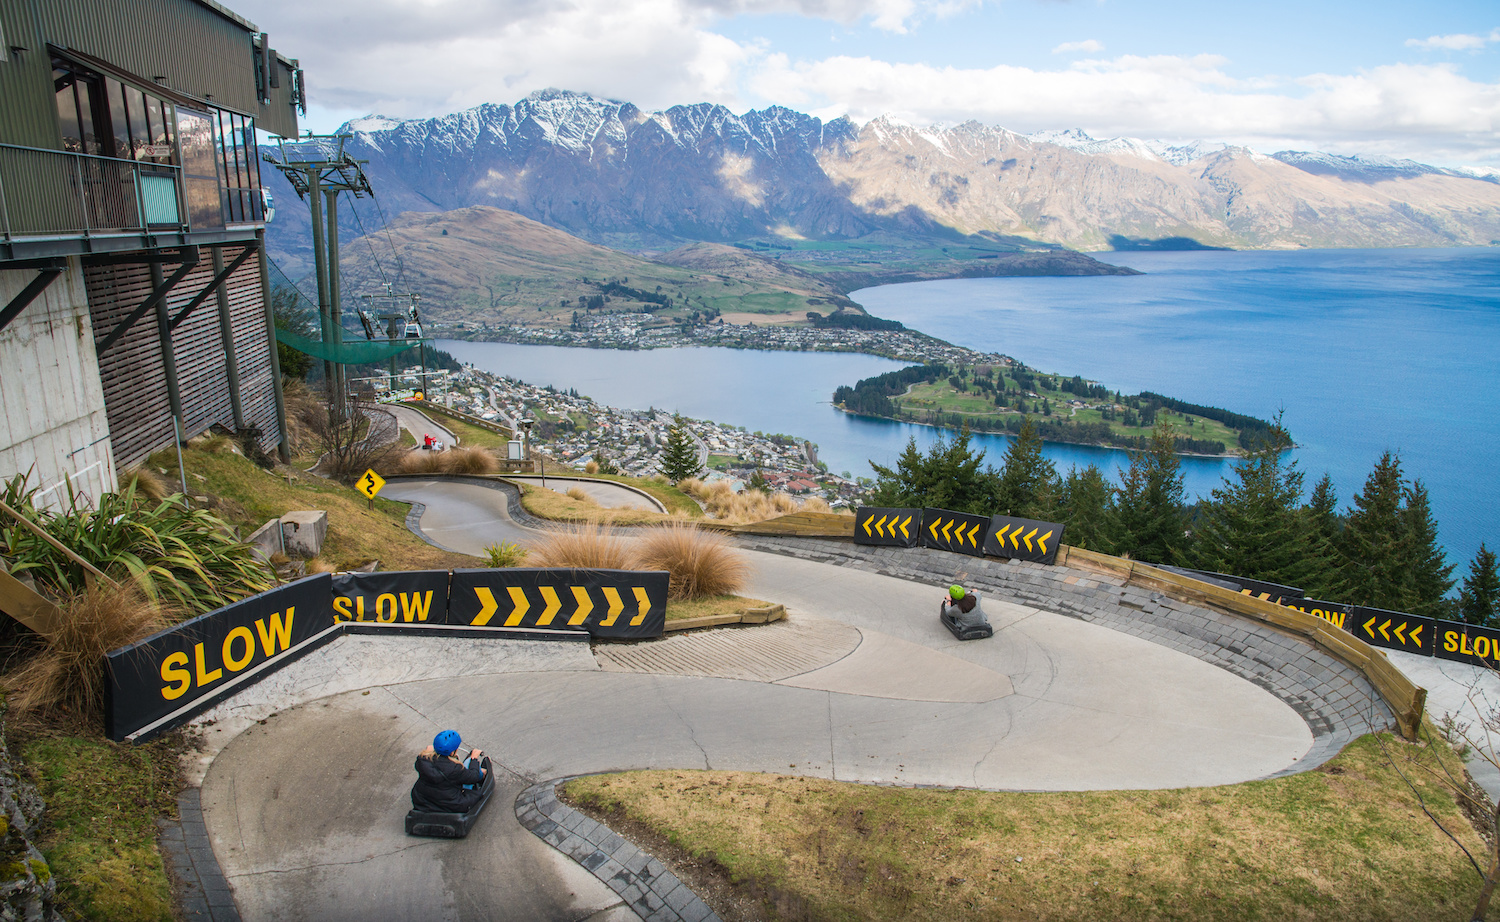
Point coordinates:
pixel 83 194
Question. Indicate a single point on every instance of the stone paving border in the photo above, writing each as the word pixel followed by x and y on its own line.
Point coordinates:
pixel 199 884
pixel 1336 700
pixel 647 887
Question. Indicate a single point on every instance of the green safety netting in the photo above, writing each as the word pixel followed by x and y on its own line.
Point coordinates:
pixel 349 352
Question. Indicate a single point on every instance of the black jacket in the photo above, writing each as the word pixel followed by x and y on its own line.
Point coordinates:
pixel 440 786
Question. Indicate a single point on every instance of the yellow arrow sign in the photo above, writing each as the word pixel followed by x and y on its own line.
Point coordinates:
pixel 1000 535
pixel 1027 539
pixel 933 530
pixel 1042 542
pixel 1367 627
pixel 1398 632
pixel 1383 627
pixel 612 595
pixel 487 606
pixel 644 603
pixel 867 527
pixel 370 484
pixel 1015 538
pixel 553 604
pixel 947 539
pixel 521 606
pixel 972 533
pixel 585 605
pixel 880 526
pixel 1416 634
pixel 904 532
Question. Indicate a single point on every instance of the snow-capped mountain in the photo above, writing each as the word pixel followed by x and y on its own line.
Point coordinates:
pixel 609 172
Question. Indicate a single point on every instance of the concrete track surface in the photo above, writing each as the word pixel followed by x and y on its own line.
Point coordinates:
pixel 862 684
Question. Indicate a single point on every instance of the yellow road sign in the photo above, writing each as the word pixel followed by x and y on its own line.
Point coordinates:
pixel 370 484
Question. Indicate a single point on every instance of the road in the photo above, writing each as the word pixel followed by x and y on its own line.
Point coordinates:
pixel 419 424
pixel 304 809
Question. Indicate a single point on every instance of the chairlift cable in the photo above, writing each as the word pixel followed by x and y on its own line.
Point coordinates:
pixel 385 279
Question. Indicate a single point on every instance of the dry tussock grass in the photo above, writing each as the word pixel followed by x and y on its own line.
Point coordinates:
pixel 731 508
pixel 578 493
pixel 701 563
pixel 589 545
pixel 591 468
pixel 148 484
pixel 454 461
pixel 67 677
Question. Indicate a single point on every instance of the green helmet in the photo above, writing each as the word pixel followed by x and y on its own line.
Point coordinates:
pixel 956 591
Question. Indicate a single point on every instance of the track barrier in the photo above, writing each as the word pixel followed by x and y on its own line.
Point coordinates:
pixel 176 674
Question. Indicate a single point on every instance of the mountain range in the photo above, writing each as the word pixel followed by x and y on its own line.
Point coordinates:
pixel 613 174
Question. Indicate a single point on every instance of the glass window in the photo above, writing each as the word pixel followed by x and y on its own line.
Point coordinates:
pixel 135 109
pixel 67 109
pixel 200 169
pixel 119 124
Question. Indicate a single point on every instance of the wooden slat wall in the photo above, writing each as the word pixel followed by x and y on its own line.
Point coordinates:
pixel 135 387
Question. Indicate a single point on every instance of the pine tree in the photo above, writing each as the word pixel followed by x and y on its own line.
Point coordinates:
pixel 1325 578
pixel 1084 509
pixel 679 457
pixel 1431 576
pixel 1028 484
pixel 947 477
pixel 1479 600
pixel 1250 527
pixel 1149 521
pixel 1372 543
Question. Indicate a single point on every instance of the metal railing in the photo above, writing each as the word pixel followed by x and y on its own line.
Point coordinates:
pixel 47 193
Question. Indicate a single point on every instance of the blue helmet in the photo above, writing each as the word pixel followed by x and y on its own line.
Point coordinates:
pixel 446 742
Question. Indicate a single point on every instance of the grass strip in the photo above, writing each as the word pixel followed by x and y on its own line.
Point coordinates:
pixel 99 830
pixel 712 605
pixel 1345 842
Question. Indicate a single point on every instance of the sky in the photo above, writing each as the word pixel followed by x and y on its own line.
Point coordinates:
pixel 1418 80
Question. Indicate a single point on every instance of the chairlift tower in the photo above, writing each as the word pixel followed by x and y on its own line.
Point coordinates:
pixel 399 323
pixel 319 176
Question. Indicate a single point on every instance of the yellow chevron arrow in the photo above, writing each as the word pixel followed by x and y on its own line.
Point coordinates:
pixel 522 605
pixel 615 606
pixel 904 532
pixel 972 532
pixel 867 526
pixel 1367 628
pixel 1027 539
pixel 487 606
pixel 1042 542
pixel 553 604
pixel 880 526
pixel 1383 627
pixel 1416 634
pixel 1015 537
pixel 933 529
pixel 1400 636
pixel 644 603
pixel 946 538
pixel 585 605
pixel 1000 536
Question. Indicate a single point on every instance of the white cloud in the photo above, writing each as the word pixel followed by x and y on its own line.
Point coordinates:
pixel 1459 42
pixel 1092 46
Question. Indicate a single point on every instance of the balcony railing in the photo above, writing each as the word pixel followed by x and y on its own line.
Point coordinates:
pixel 52 193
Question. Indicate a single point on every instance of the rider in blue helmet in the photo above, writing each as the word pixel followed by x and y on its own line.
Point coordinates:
pixel 446 784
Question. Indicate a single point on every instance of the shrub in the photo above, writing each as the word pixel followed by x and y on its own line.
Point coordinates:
pixel 816 504
pixel 68 674
pixel 148 484
pixel 578 493
pixel 701 563
pixel 187 556
pixel 591 468
pixel 591 545
pixel 505 554
pixel 469 461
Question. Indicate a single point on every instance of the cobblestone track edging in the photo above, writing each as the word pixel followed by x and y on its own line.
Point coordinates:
pixel 1335 700
pixel 199 883
pixel 647 887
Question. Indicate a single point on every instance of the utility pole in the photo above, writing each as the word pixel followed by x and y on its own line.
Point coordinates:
pixel 319 176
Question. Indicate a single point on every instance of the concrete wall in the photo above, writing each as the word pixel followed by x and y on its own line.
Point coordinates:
pixel 51 398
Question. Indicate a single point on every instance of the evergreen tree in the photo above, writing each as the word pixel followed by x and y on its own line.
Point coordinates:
pixel 1149 520
pixel 1325 579
pixel 1479 600
pixel 679 457
pixel 1430 574
pixel 947 477
pixel 1250 526
pixel 1028 484
pixel 1084 509
pixel 1372 543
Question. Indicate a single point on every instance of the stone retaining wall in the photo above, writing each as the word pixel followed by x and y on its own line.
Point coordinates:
pixel 1335 699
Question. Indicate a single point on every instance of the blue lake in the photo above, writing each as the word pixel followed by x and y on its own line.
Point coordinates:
pixel 1364 350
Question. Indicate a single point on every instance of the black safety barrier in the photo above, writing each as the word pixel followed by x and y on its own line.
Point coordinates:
pixel 409 597
pixel 1335 613
pixel 1023 539
pixel 887 527
pixel 959 532
pixel 151 679
pixel 1393 630
pixel 605 603
pixel 1468 643
pixel 1260 589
